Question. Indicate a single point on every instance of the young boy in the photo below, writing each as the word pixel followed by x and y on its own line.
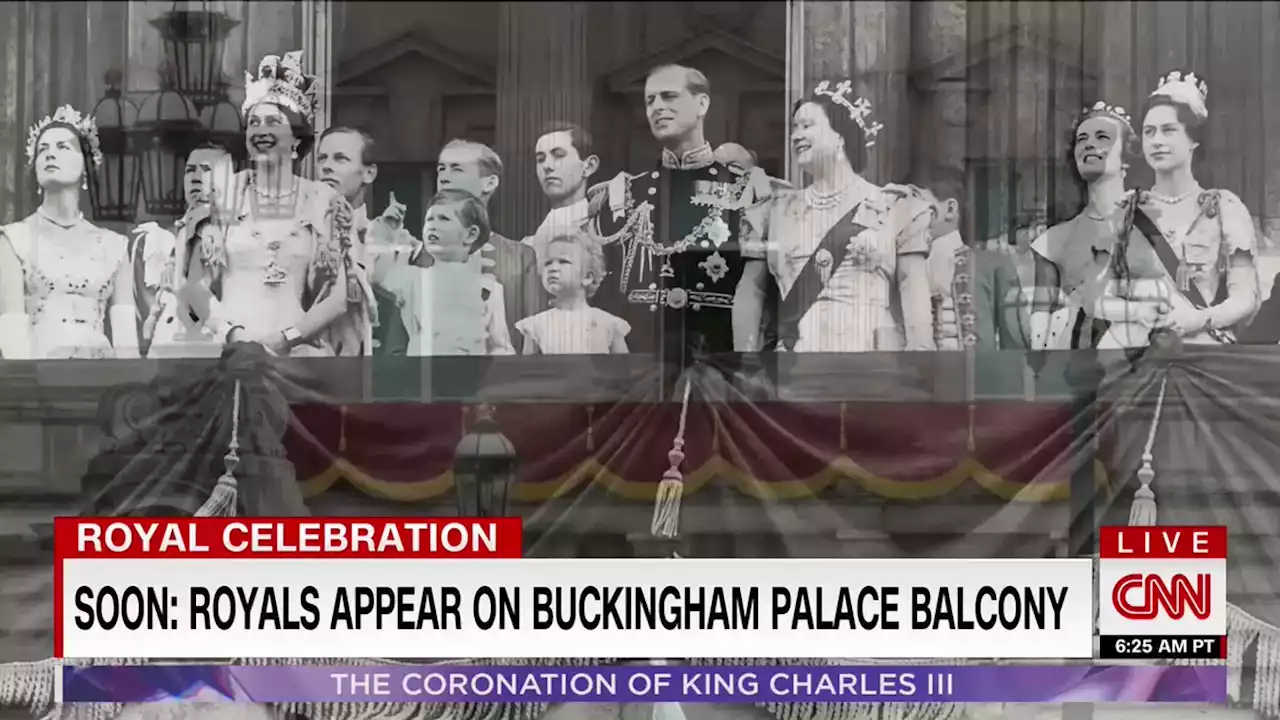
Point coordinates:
pixel 452 308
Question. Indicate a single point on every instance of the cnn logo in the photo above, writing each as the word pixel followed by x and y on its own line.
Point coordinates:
pixel 1142 596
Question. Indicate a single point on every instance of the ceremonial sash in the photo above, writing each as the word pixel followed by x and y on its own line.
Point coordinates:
pixel 1169 259
pixel 809 284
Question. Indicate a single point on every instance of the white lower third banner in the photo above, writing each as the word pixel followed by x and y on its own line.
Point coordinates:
pixel 333 607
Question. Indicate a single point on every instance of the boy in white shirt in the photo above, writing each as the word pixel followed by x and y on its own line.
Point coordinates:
pixel 452 308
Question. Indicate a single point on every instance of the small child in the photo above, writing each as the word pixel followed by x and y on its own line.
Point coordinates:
pixel 572 270
pixel 452 308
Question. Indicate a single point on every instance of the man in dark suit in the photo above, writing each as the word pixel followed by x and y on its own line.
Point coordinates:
pixel 476 168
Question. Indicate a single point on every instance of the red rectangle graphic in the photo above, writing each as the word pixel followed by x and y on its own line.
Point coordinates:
pixel 1163 543
pixel 293 538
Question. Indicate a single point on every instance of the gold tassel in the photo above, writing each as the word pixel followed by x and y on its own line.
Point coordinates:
pixel 666 506
pixel 222 501
pixel 1143 512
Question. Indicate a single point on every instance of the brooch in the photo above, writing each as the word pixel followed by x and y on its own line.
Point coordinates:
pixel 718 233
pixel 823 260
pixel 713 194
pixel 274 274
pixel 715 267
pixel 677 298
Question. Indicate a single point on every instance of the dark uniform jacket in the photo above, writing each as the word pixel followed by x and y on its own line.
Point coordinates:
pixel 672 256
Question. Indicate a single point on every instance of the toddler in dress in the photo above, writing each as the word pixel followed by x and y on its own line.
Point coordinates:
pixel 572 270
pixel 452 308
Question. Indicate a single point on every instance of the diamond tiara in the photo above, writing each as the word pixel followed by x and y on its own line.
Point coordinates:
pixel 859 109
pixel 1186 89
pixel 1102 108
pixel 83 125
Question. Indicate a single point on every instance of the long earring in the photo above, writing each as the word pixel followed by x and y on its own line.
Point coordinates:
pixel 84 184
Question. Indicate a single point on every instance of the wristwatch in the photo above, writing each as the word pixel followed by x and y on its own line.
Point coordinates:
pixel 291 337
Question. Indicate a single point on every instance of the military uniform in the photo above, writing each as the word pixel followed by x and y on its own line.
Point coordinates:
pixel 673 256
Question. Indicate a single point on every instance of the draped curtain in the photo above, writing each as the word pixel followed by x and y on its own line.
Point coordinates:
pixel 43 64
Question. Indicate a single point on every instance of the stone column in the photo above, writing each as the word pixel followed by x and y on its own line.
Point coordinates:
pixel 939 34
pixel 543 76
pixel 316 44
pixel 1270 77
pixel 870 41
pixel 1115 68
pixel 882 62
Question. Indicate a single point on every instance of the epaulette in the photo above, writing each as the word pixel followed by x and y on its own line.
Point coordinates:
pixel 618 192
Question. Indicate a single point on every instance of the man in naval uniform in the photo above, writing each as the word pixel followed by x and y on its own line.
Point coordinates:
pixel 671 233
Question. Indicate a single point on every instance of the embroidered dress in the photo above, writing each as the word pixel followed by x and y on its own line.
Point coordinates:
pixel 69 277
pixel 1202 250
pixel 852 312
pixel 584 331
pixel 273 262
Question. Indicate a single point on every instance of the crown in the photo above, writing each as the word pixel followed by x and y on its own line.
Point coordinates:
pixel 282 82
pixel 1186 89
pixel 1102 108
pixel 859 109
pixel 83 125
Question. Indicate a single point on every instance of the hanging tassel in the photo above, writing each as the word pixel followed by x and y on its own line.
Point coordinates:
pixel 222 501
pixel 666 507
pixel 29 684
pixel 1143 511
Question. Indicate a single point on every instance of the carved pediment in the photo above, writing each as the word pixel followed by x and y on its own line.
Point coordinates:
pixel 770 68
pixel 976 66
pixel 362 68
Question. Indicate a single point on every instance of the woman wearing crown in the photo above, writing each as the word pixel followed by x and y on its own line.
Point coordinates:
pixel 838 247
pixel 62 279
pixel 1071 258
pixel 275 261
pixel 1186 256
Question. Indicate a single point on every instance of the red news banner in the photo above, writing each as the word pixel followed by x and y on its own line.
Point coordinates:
pixel 78 539
pixel 1162 593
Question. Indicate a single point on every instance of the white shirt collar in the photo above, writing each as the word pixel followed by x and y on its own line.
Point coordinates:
pixel 951 240
pixel 564 217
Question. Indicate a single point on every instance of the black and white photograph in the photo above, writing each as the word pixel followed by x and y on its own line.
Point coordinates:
pixel 786 279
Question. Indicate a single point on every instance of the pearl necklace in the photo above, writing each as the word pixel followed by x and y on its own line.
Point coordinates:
pixel 1175 200
pixel 822 201
pixel 263 193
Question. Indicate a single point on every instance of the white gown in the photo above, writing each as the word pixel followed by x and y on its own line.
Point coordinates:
pixel 853 311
